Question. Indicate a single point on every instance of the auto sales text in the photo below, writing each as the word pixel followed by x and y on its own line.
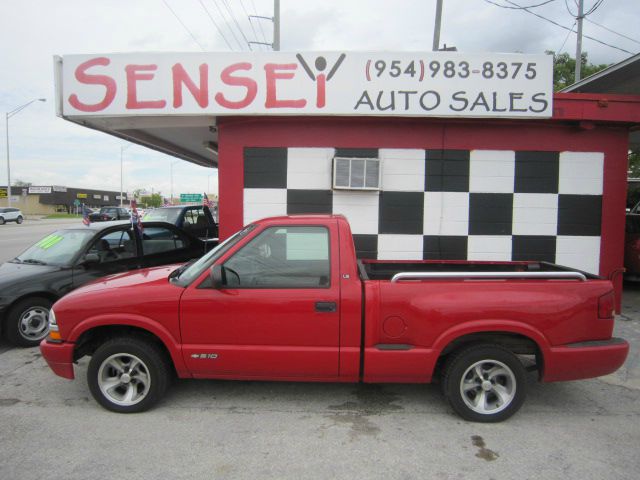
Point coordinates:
pixel 460 101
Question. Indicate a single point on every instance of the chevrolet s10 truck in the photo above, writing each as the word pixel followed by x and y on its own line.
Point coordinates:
pixel 286 299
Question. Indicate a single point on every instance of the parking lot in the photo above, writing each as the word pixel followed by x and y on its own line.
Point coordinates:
pixel 52 428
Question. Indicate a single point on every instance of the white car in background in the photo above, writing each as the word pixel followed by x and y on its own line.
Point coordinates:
pixel 9 214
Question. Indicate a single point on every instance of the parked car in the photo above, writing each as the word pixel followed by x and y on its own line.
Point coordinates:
pixel 195 219
pixel 71 257
pixel 285 299
pixel 109 214
pixel 10 214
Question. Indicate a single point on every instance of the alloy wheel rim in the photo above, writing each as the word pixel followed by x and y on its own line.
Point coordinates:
pixel 488 387
pixel 124 379
pixel 34 323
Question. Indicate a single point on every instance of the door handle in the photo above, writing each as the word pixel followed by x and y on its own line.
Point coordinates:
pixel 327 307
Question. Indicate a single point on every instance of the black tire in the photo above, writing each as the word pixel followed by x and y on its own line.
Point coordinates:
pixel 2 221
pixel 154 369
pixel 27 323
pixel 496 397
pixel 19 219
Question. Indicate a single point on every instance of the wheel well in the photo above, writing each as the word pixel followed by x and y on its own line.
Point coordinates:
pixel 90 340
pixel 516 343
pixel 49 296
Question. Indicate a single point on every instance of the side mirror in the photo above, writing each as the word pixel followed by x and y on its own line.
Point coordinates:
pixel 91 259
pixel 216 277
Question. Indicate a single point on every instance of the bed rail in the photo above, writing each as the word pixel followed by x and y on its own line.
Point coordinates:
pixel 489 275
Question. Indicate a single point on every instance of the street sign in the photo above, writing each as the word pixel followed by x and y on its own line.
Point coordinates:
pixel 3 193
pixel 190 197
pixel 76 202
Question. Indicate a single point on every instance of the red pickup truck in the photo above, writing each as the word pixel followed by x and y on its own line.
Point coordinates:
pixel 286 299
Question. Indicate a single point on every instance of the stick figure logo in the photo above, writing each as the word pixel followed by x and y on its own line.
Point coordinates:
pixel 320 77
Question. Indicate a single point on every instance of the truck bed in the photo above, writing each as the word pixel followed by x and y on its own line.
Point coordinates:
pixel 386 270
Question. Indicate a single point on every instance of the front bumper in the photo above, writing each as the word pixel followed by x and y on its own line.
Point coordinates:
pixel 59 356
pixel 578 361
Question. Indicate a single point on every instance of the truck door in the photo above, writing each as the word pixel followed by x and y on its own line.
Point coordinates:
pixel 276 313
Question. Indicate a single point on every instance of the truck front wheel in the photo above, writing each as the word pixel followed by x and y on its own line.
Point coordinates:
pixel 128 375
pixel 485 383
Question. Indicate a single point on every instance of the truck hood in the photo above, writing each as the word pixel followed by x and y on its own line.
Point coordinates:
pixel 142 298
pixel 137 278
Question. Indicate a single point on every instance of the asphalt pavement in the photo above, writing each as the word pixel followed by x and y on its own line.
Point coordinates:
pixel 52 428
pixel 14 238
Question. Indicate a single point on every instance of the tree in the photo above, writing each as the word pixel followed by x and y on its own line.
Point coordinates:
pixel 633 190
pixel 564 66
pixel 634 163
pixel 153 200
pixel 20 183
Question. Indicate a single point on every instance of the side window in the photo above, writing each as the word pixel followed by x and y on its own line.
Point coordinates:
pixel 114 246
pixel 190 218
pixel 282 257
pixel 160 239
pixel 201 220
pixel 123 212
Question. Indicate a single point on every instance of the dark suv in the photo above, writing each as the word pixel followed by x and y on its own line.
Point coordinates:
pixel 195 219
pixel 107 214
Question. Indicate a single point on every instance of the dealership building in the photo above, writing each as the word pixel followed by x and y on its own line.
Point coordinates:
pixel 48 199
pixel 429 155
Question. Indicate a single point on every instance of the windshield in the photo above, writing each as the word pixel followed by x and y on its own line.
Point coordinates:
pixel 59 248
pixel 194 270
pixel 162 215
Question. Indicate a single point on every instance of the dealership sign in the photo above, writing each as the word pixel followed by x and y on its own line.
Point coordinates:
pixel 39 190
pixel 441 84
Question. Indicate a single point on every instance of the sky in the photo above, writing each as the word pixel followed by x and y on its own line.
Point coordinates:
pixel 47 150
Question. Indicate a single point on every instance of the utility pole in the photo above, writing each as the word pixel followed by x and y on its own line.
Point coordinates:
pixel 172 164
pixel 275 45
pixel 579 42
pixel 436 28
pixel 122 149
pixel 7 116
pixel 276 25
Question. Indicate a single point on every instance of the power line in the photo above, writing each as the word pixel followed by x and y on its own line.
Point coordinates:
pixel 235 37
pixel 566 4
pixel 567 37
pixel 562 26
pixel 255 35
pixel 233 17
pixel 255 11
pixel 613 31
pixel 595 7
pixel 518 7
pixel 215 24
pixel 183 25
pixel 584 15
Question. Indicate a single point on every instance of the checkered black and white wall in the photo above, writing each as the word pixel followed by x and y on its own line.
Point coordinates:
pixel 444 204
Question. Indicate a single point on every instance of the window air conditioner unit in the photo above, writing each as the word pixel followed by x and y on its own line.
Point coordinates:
pixel 356 173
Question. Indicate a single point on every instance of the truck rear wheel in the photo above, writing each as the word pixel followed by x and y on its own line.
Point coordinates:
pixel 485 383
pixel 128 375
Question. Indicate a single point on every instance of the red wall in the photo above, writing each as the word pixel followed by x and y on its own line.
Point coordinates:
pixel 367 132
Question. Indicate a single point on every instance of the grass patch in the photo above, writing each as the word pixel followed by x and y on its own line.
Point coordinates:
pixel 63 215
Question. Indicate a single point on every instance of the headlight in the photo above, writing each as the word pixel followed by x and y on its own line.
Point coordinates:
pixel 54 331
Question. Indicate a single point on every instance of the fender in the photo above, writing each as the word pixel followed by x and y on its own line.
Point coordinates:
pixel 132 320
pixel 493 326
